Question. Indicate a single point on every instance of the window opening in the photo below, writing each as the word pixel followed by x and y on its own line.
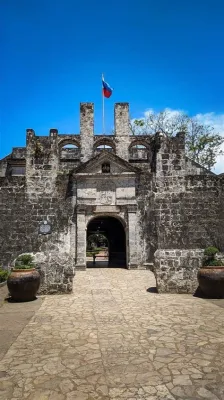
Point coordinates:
pixel 105 168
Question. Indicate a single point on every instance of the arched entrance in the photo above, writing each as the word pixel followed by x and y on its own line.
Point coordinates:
pixel 113 230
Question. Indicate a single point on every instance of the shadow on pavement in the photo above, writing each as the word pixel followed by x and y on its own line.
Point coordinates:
pixel 10 300
pixel 218 302
pixel 152 290
pixel 14 316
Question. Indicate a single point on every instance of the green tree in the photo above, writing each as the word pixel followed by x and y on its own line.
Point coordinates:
pixel 96 240
pixel 203 145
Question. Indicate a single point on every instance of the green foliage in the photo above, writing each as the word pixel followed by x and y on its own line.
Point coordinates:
pixel 209 259
pixel 24 266
pixel 3 275
pixel 139 122
pixel 213 263
pixel 202 144
pixel 25 261
pixel 92 253
pixel 211 251
pixel 96 240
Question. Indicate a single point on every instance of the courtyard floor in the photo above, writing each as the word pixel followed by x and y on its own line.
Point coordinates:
pixel 115 338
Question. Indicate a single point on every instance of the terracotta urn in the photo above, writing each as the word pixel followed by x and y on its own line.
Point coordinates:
pixel 211 281
pixel 23 284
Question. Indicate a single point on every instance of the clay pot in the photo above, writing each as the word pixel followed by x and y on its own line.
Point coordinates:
pixel 23 284
pixel 211 281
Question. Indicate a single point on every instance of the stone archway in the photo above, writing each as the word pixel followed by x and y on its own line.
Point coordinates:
pixel 114 231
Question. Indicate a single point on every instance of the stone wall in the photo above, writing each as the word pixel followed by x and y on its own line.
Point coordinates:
pixel 179 215
pixel 145 196
pixel 188 211
pixel 192 217
pixel 13 225
pixel 176 270
pixel 21 215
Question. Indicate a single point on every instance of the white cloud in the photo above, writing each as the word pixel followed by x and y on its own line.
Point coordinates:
pixel 214 120
pixel 169 111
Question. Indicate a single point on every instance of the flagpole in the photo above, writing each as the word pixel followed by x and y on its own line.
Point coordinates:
pixel 103 115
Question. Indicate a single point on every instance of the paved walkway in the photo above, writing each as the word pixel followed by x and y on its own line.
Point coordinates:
pixel 113 339
pixel 13 318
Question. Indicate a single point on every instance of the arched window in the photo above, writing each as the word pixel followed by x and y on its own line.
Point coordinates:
pixel 102 147
pixel 138 152
pixel 69 151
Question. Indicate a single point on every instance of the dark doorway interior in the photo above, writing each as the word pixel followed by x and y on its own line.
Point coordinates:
pixel 114 231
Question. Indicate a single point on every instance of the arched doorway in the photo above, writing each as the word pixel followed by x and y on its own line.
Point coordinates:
pixel 113 230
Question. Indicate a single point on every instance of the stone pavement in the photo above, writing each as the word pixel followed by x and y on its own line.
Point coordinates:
pixel 113 339
pixel 13 318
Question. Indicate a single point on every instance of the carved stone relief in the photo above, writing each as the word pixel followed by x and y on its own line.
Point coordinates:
pixel 106 193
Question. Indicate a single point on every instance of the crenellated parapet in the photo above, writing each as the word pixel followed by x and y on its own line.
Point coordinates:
pixel 159 153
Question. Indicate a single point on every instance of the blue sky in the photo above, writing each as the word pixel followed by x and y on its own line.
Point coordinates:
pixel 155 54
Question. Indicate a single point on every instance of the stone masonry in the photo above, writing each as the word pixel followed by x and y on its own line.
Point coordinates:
pixel 168 207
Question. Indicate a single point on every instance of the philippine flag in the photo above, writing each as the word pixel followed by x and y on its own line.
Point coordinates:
pixel 107 90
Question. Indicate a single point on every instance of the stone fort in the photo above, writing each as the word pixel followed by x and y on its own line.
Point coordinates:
pixel 158 209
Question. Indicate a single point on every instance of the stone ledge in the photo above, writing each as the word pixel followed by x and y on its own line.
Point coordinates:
pixel 107 209
pixel 80 267
pixel 132 266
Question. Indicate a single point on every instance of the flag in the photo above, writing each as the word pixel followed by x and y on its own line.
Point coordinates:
pixel 107 90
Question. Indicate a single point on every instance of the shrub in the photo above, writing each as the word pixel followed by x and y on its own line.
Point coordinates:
pixel 211 251
pixel 3 275
pixel 92 253
pixel 209 259
pixel 25 261
pixel 213 263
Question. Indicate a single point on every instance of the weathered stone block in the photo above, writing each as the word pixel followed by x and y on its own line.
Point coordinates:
pixel 180 276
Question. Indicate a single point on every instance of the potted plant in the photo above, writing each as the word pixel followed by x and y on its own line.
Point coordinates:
pixel 211 274
pixel 24 280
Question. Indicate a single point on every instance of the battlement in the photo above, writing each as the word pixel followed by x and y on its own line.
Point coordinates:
pixel 66 151
pixel 121 121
